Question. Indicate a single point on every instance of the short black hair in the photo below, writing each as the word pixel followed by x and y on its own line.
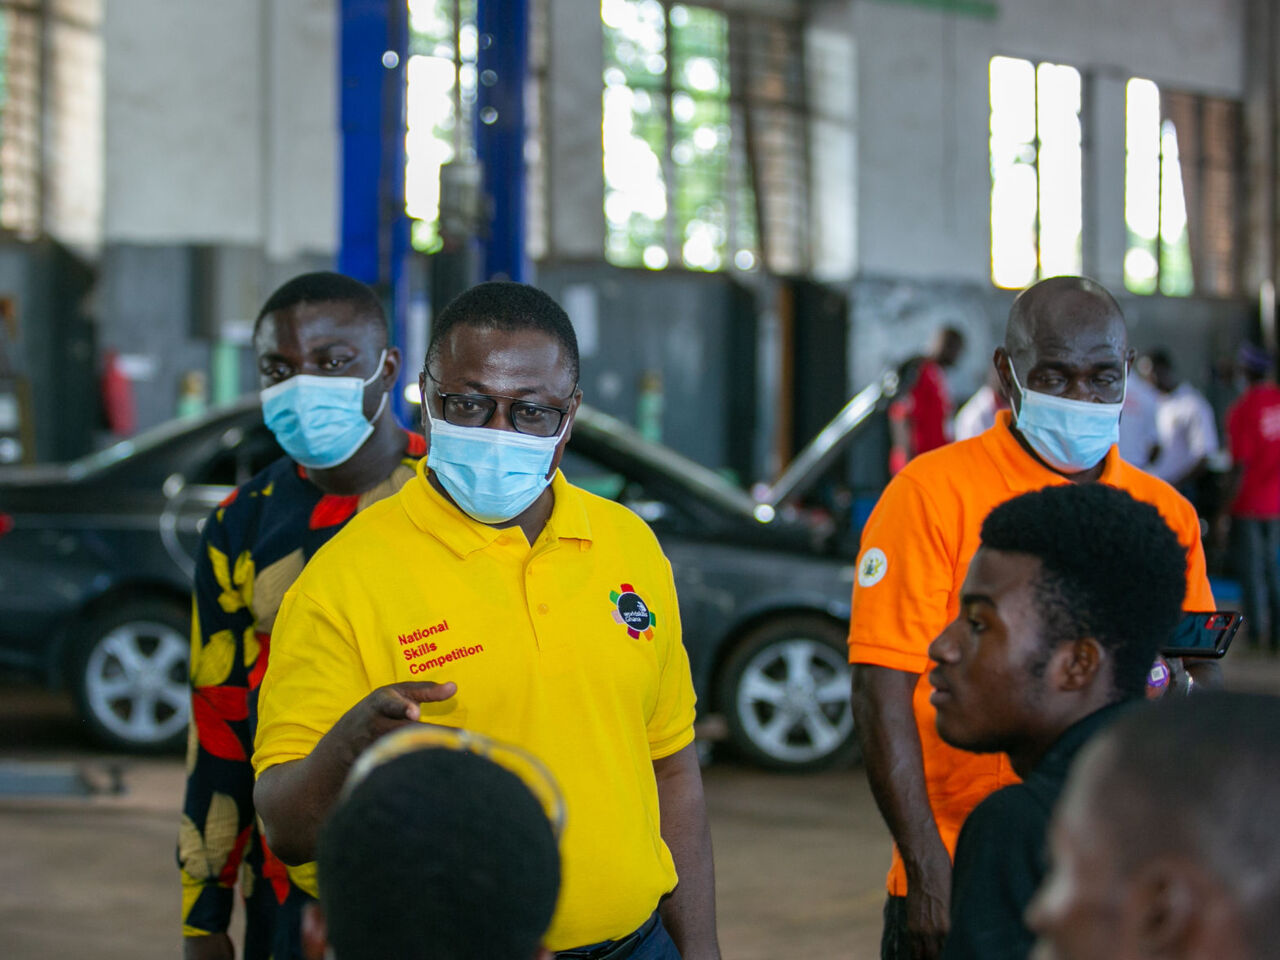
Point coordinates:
pixel 1110 568
pixel 325 286
pixel 505 305
pixel 1202 771
pixel 443 848
pixel 1161 357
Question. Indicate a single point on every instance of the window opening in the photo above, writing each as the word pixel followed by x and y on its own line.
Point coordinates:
pixel 1036 171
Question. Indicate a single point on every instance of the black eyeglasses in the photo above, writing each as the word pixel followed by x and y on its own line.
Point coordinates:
pixel 477 409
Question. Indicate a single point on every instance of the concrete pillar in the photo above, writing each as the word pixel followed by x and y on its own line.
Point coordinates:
pixel 1105 233
pixel 574 114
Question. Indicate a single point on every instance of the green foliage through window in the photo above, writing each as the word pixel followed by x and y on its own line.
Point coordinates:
pixel 1158 252
pixel 676 184
pixel 440 95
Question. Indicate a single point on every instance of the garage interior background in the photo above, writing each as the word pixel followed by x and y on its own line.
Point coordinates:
pixel 163 165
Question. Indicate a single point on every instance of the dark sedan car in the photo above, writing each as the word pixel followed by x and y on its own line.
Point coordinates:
pixel 96 557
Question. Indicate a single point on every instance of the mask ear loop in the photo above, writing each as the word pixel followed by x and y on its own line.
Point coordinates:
pixel 385 393
pixel 559 434
pixel 1022 393
pixel 378 371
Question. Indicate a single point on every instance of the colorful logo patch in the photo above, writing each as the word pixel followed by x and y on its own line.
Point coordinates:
pixel 873 567
pixel 632 612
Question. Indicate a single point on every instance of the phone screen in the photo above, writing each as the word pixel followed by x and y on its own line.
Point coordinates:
pixel 1203 634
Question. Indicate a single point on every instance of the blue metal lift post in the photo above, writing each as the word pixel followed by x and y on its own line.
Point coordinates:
pixel 502 69
pixel 374 231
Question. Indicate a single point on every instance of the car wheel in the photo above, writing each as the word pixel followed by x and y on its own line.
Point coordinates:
pixel 130 676
pixel 785 694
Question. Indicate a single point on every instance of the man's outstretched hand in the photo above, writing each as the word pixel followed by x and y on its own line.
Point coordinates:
pixel 294 797
pixel 382 711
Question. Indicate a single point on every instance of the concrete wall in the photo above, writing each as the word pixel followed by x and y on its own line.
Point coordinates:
pixel 923 174
pixel 923 177
pixel 221 123
pixel 221 171
pixel 221 133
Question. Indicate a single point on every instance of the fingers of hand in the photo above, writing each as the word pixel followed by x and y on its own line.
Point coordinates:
pixel 399 701
pixel 425 691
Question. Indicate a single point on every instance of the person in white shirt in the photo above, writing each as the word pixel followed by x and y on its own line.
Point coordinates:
pixel 978 414
pixel 1185 426
pixel 1139 438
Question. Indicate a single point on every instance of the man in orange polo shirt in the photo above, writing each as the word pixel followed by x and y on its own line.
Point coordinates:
pixel 1063 366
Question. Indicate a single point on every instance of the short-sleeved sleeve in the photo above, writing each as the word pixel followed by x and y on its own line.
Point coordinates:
pixel 670 726
pixel 905 578
pixel 1199 592
pixel 314 676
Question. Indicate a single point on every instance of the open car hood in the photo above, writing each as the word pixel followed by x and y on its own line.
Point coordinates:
pixel 810 463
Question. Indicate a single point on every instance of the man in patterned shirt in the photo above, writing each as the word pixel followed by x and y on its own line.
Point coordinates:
pixel 326 369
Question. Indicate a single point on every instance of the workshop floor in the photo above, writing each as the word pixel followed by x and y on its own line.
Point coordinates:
pixel 800 860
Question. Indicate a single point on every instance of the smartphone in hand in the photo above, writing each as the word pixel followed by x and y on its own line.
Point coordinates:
pixel 1203 634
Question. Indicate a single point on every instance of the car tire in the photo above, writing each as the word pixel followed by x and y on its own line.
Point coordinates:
pixel 784 692
pixel 129 674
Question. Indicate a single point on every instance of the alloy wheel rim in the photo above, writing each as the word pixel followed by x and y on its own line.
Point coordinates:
pixel 793 700
pixel 136 682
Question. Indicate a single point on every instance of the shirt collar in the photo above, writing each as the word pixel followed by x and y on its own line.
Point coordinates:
pixel 1022 471
pixel 433 514
pixel 1059 756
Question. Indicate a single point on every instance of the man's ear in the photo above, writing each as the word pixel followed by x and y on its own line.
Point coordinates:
pixel 544 954
pixel 315 932
pixel 391 366
pixel 1163 906
pixel 1000 360
pixel 1083 661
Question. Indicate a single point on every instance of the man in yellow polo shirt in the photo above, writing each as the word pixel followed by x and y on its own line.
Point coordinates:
pixel 1063 365
pixel 490 594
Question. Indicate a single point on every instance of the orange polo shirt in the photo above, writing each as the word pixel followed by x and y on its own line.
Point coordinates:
pixel 916 548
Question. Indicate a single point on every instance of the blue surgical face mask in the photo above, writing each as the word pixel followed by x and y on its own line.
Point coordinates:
pixel 320 421
pixel 492 475
pixel 1069 435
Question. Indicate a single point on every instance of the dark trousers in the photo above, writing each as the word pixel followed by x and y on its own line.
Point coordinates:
pixel 894 944
pixel 650 942
pixel 1256 554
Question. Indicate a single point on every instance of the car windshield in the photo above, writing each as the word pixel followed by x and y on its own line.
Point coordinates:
pixel 614 434
pixel 151 439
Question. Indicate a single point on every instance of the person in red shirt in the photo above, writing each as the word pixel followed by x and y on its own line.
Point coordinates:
pixel 1253 433
pixel 920 419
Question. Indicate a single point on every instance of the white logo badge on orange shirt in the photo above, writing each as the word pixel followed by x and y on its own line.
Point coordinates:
pixel 873 567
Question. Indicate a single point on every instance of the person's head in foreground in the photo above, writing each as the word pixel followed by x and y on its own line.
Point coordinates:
pixel 1065 605
pixel 1165 841
pixel 438 852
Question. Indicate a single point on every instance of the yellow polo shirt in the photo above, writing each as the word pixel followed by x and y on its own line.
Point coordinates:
pixel 570 648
